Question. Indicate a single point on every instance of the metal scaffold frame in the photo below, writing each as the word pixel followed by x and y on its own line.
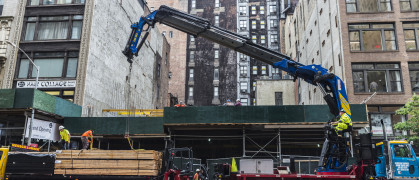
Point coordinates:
pixel 277 156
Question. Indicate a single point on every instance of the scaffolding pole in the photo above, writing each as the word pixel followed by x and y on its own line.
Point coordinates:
pixel 279 154
pixel 244 142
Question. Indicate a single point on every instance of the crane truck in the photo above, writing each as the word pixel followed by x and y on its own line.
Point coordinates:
pixel 333 162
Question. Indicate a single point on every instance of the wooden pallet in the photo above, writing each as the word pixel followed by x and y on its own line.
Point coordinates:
pixel 108 162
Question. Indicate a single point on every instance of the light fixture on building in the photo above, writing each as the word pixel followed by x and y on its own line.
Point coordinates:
pixel 170 75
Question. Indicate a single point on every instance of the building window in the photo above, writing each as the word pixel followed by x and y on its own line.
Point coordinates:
pixel 242 10
pixel 253 24
pixel 244 102
pixel 171 34
pixel 255 70
pixel 243 71
pixel 274 38
pixel 242 56
pixel 272 9
pixel 276 73
pixel 253 8
pixel 263 70
pixel 193 4
pixel 215 91
pixel 243 86
pixel 55 64
pixel 273 23
pixel 166 58
pixel 217 3
pixel 380 77
pixel 191 74
pixel 243 24
pixel 372 37
pixel 192 38
pixel 66 94
pixel 414 76
pixel 254 86
pixel 262 39
pixel 411 33
pixel 254 39
pixel 409 5
pixel 262 10
pixel 190 92
pixel 368 5
pixel 53 2
pixel 216 54
pixel 216 74
pixel 192 55
pixel 262 24
pixel 278 99
pixel 1 6
pixel 53 27
pixel 217 20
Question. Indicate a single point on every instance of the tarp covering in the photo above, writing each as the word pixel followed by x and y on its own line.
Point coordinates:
pixel 28 98
pixel 115 125
pixel 257 114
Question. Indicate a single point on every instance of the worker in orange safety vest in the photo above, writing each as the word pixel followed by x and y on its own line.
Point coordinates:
pixel 85 138
pixel 198 175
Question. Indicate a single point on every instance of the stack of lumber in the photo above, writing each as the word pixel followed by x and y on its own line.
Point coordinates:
pixel 108 162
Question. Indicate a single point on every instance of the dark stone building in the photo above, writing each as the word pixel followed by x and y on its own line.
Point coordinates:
pixel 211 69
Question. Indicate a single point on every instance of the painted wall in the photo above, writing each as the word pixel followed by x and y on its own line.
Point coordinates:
pixel 265 92
pixel 106 83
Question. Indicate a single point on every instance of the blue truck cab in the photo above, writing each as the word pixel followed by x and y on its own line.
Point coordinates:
pixel 402 161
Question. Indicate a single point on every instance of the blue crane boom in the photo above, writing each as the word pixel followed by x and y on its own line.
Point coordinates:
pixel 331 86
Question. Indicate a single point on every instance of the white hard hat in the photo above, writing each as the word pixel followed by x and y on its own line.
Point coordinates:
pixel 197 170
pixel 61 127
pixel 238 100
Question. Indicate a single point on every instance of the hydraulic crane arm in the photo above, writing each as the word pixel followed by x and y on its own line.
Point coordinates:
pixel 330 85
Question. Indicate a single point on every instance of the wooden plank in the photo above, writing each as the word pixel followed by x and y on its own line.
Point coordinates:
pixel 108 151
pixel 106 164
pixel 106 155
pixel 107 172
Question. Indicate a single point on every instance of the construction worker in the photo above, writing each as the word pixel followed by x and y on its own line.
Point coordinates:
pixel 238 103
pixel 85 138
pixel 343 124
pixel 181 104
pixel 198 175
pixel 65 137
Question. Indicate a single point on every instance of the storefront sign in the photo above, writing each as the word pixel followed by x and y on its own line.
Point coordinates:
pixel 19 147
pixel 377 129
pixel 46 84
pixel 43 130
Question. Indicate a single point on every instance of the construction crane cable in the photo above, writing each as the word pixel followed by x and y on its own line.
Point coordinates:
pixel 128 106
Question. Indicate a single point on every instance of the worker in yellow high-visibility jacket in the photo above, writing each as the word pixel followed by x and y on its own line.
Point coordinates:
pixel 343 124
pixel 65 136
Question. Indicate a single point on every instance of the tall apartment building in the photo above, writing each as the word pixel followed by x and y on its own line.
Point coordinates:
pixel 211 68
pixel 215 73
pixel 258 20
pixel 77 44
pixel 372 45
